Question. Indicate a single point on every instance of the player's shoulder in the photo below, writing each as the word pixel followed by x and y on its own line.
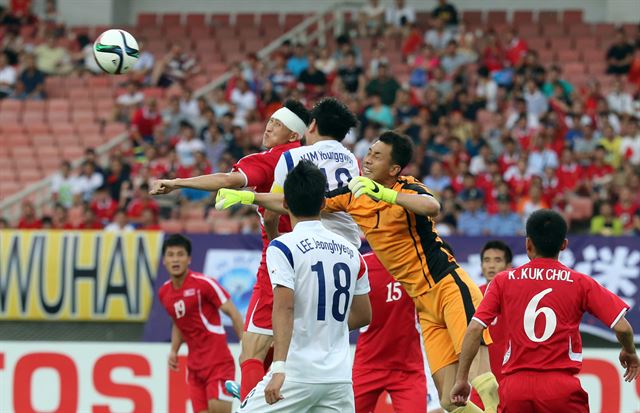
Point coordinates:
pixel 201 278
pixel 411 184
pixel 164 288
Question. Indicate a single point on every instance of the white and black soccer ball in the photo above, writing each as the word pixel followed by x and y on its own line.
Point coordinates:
pixel 115 51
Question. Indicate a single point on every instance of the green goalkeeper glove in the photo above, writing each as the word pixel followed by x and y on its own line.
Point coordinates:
pixel 365 186
pixel 229 197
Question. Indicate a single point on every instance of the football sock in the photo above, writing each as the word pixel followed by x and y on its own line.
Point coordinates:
pixel 469 408
pixel 252 372
pixel 487 387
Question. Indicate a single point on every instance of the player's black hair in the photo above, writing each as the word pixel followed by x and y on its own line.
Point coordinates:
pixel 401 147
pixel 304 189
pixel 177 240
pixel 298 108
pixel 333 118
pixel 547 230
pixel 498 245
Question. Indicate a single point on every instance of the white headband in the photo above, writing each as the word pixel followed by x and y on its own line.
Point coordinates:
pixel 290 120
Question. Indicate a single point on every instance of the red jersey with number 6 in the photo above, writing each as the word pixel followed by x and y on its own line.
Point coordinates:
pixel 194 308
pixel 540 305
pixel 391 341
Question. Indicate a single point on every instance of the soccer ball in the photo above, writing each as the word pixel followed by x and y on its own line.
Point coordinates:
pixel 115 51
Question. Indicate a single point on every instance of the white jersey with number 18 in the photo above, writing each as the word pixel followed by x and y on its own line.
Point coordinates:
pixel 325 271
pixel 339 165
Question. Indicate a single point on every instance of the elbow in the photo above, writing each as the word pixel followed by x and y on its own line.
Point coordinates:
pixel 622 327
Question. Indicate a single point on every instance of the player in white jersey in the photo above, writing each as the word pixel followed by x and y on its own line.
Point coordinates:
pixel 330 122
pixel 320 293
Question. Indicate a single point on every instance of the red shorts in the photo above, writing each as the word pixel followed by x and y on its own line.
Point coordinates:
pixel 208 384
pixel 259 312
pixel 542 392
pixel 408 389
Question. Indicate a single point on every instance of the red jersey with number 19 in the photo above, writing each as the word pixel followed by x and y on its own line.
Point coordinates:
pixel 194 308
pixel 540 305
pixel 392 340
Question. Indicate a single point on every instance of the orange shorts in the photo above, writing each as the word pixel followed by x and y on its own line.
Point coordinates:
pixel 444 313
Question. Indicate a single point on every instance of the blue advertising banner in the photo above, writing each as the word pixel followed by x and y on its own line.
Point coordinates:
pixel 233 260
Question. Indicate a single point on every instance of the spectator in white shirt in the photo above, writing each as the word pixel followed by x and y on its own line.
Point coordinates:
pixel 128 102
pixel 88 181
pixel 438 36
pixel 536 102
pixel 144 65
pixel 541 157
pixel 244 100
pixel 120 222
pixel 630 145
pixel 8 77
pixel 371 18
pixel 188 105
pixel 188 144
pixel 487 90
pixel 62 185
pixel 620 101
pixel 399 16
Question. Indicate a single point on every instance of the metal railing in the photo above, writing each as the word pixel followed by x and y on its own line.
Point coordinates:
pixel 327 19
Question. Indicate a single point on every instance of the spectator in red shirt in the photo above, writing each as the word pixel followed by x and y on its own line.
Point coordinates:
pixel 518 178
pixel 149 221
pixel 515 48
pixel 492 55
pixel 625 208
pixel 103 206
pixel 28 219
pixel 144 122
pixel 142 202
pixel 569 173
pixel 90 220
pixel 600 172
pixel 59 219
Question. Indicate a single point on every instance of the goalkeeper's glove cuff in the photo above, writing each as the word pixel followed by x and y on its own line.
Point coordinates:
pixel 388 195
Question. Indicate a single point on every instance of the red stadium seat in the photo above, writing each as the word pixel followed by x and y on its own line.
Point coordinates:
pixel 10 105
pixel 171 20
pixel 220 20
pixel 292 19
pixel 43 150
pixel 199 33
pixel 561 43
pixel 473 17
pixel 496 17
pixel 522 17
pixel 43 140
pixel 196 20
pixel 114 129
pixel 33 116
pixel 572 16
pixel 70 139
pixel 526 31
pixel 245 20
pixel 147 19
pixel 65 128
pixel 37 128
pixel 553 30
pixel 172 226
pixel 548 17
pixel 577 30
pixel 72 152
pixel 270 20
pixel 569 55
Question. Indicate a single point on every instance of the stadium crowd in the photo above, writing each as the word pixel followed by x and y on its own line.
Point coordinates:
pixel 499 134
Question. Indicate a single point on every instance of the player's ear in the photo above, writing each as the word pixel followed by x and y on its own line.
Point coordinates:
pixel 395 170
pixel 564 245
pixel 313 125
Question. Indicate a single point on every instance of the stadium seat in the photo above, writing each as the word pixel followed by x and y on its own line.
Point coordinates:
pixel 496 17
pixel 548 17
pixel 43 141
pixel 526 31
pixel 196 20
pixel 220 20
pixel 172 226
pixel 572 17
pixel 37 128
pixel 146 19
pixel 293 19
pixel 225 226
pixel 270 20
pixel 553 30
pixel 577 30
pixel 521 17
pixel 170 20
pixel 244 20
pixel 197 226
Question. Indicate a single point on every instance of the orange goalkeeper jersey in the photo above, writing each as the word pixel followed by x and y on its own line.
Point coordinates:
pixel 407 244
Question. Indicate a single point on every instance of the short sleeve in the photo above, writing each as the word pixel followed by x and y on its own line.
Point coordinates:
pixel 284 165
pixel 256 169
pixel 214 292
pixel 362 281
pixel 337 200
pixel 602 303
pixel 489 308
pixel 280 264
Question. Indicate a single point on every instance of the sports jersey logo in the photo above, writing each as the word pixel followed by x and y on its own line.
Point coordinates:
pixel 190 292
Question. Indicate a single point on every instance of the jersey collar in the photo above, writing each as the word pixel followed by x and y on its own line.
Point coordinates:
pixel 308 225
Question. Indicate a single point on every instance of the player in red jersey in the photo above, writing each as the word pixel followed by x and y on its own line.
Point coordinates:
pixel 193 301
pixel 283 132
pixel 541 304
pixel 379 365
pixel 495 257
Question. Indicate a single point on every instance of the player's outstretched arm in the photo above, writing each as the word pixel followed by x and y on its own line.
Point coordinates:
pixel 176 342
pixel 226 198
pixel 470 345
pixel 283 301
pixel 628 357
pixel 360 313
pixel 211 183
pixel 236 318
pixel 419 204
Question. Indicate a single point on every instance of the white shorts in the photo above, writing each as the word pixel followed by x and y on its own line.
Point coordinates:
pixel 302 397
